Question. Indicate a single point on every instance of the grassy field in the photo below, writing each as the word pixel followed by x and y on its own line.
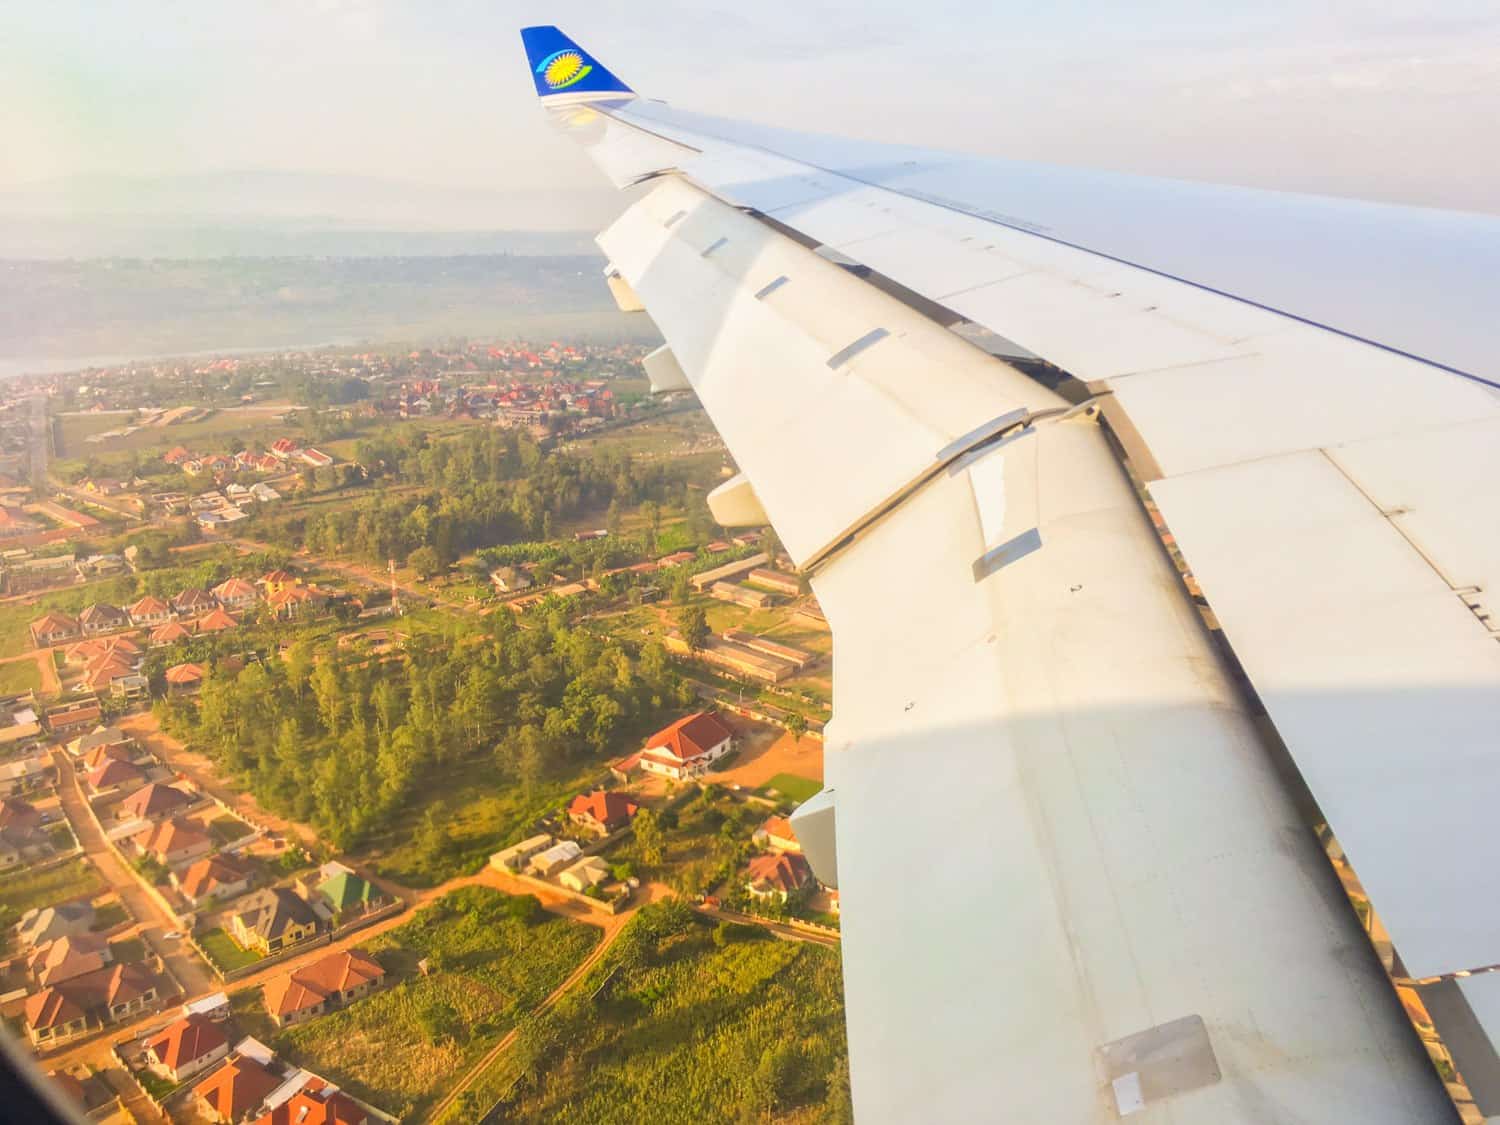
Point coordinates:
pixel 691 1031
pixel 223 953
pixel 78 427
pixel 19 676
pixel 22 890
pixel 484 809
pixel 401 1047
pixel 790 785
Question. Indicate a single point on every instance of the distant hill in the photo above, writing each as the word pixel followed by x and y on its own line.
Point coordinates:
pixel 239 214
pixel 55 312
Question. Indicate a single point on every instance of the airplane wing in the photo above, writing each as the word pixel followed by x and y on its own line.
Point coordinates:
pixel 1155 523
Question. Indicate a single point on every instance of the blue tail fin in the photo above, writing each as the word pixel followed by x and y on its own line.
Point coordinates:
pixel 561 66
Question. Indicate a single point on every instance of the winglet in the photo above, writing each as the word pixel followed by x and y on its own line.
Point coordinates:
pixel 560 67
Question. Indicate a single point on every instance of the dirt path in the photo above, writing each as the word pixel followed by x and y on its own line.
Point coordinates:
pixel 612 930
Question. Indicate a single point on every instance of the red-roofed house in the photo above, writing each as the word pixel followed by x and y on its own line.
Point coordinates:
pixel 688 747
pixel 104 995
pixel 113 775
pixel 173 843
pixel 150 610
pixel 323 985
pixel 236 1089
pixel 193 600
pixel 215 621
pixel 187 1047
pixel 183 679
pixel 67 957
pixel 153 802
pixel 169 634
pixel 777 833
pixel 295 601
pixel 325 1106
pixel 103 671
pixel 776 875
pixel 101 618
pixel 235 594
pixel 54 629
pixel 602 811
pixel 220 876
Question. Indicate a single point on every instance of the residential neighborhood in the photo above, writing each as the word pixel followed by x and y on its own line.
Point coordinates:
pixel 306 691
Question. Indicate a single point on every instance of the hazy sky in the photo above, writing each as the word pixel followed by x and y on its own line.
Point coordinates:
pixel 1393 100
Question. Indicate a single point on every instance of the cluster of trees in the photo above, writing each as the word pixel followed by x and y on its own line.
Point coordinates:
pixel 486 487
pixel 344 741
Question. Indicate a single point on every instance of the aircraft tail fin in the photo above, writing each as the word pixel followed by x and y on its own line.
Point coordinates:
pixel 560 67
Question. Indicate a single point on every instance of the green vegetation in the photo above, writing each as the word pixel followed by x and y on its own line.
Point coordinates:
pixel 674 1027
pixel 356 747
pixel 693 847
pixel 796 788
pixel 129 950
pixel 481 488
pixel 154 1084
pixel 22 890
pixel 19 676
pixel 227 829
pixel 108 916
pixel 223 954
pixel 400 1047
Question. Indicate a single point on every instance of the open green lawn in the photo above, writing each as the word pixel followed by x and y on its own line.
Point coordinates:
pixel 19 676
pixel 685 1030
pixel 400 1048
pixel 790 785
pixel 224 953
pixel 22 890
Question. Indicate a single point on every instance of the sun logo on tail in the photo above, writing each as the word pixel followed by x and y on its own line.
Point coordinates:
pixel 562 69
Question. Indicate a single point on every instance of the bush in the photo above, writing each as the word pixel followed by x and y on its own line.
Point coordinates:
pixel 525 908
pixel 727 933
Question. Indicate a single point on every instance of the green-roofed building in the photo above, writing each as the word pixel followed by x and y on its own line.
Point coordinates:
pixel 348 894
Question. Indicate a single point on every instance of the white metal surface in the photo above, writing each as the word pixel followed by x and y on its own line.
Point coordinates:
pixel 851 431
pixel 1383 684
pixel 1056 829
pixel 1407 277
pixel 1306 380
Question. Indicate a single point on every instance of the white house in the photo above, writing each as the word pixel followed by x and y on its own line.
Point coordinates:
pixel 688 747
